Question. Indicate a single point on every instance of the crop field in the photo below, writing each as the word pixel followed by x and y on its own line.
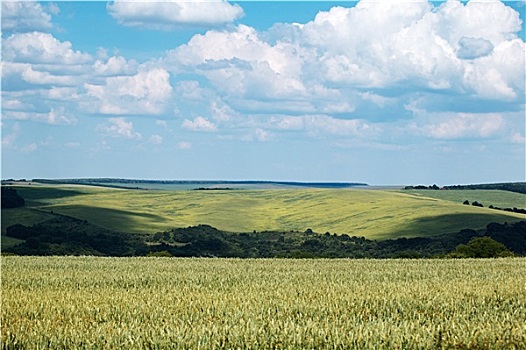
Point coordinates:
pixel 375 214
pixel 501 199
pixel 118 303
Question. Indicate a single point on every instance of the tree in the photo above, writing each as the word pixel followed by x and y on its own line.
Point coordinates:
pixel 11 199
pixel 481 247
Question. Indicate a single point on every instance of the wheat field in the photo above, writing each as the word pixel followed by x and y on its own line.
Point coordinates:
pixel 167 303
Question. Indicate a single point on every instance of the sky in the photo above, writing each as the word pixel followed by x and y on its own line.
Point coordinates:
pixel 381 92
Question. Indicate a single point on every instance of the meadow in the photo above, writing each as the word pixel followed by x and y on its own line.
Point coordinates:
pixel 374 214
pixel 117 303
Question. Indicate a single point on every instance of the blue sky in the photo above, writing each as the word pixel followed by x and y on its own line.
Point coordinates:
pixel 381 92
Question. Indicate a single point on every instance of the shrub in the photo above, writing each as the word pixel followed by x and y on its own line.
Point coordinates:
pixel 481 247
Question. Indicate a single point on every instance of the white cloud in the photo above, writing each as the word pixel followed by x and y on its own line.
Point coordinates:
pixel 257 135
pixel 41 48
pixel 241 63
pixel 384 47
pixel 59 116
pixel 25 16
pixel 184 145
pixel 120 127
pixel 460 125
pixel 147 92
pixel 115 65
pixel 156 139
pixel 501 75
pixel 10 104
pixel 518 138
pixel 30 148
pixel 378 100
pixel 8 140
pixel 170 15
pixel 467 125
pixel 287 122
pixel 45 78
pixel 322 124
pixel 199 124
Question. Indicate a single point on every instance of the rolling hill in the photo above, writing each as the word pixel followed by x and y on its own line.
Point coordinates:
pixel 374 214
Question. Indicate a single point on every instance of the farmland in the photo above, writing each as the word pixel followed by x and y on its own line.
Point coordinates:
pixel 88 302
pixel 375 214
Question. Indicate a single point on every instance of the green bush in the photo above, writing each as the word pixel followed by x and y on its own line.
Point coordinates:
pixel 481 247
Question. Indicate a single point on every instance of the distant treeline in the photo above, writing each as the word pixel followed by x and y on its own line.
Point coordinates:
pixel 511 210
pixel 64 235
pixel 519 187
pixel 214 189
pixel 103 181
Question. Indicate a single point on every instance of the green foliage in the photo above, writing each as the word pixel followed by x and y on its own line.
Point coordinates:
pixel 11 199
pixel 481 247
pixel 518 187
pixel 69 236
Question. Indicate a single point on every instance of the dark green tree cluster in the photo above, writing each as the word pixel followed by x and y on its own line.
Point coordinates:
pixel 519 187
pixel 481 247
pixel 511 210
pixel 64 235
pixel 11 199
pixel 422 187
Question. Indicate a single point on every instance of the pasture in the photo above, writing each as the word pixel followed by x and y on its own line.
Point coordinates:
pixel 374 214
pixel 117 303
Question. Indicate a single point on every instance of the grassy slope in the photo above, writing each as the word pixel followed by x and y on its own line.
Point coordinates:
pixel 374 214
pixel 501 199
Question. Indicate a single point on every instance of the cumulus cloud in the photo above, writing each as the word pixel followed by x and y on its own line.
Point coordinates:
pixel 115 65
pixel 322 124
pixel 461 49
pixel 146 92
pixel 120 127
pixel 347 73
pixel 241 62
pixel 59 116
pixel 257 134
pixel 41 48
pixel 199 124
pixel 156 139
pixel 170 15
pixel 465 125
pixel 447 125
pixel 26 16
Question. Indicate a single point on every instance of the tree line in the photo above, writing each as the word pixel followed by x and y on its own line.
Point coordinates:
pixel 63 235
pixel 512 210
pixel 519 187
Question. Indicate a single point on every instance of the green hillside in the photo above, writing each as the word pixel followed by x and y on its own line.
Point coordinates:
pixel 375 214
pixel 497 198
